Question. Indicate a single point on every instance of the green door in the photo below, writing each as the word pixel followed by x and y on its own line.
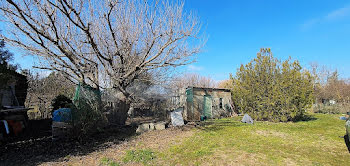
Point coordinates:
pixel 207 106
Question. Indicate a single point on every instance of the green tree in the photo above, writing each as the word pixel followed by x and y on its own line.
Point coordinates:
pixel 5 67
pixel 268 89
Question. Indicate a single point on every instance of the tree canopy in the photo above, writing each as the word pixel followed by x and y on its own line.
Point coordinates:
pixel 6 68
pixel 105 43
pixel 269 89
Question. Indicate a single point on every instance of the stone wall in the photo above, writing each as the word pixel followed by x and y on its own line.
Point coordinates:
pixel 221 103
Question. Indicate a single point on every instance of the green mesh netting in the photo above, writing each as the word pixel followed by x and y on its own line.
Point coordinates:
pixel 87 111
pixel 85 94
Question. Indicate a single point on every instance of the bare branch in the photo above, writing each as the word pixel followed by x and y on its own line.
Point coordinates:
pixel 116 42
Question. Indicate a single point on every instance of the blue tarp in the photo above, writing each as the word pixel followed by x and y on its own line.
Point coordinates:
pixel 62 115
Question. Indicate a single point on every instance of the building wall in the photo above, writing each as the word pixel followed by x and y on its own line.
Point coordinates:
pixel 7 97
pixel 194 108
pixel 15 92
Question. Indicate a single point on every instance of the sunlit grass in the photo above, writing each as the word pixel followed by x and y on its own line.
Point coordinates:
pixel 228 141
pixel 108 162
pixel 139 156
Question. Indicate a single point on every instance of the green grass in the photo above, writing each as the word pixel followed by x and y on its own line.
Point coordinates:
pixel 228 141
pixel 139 156
pixel 108 162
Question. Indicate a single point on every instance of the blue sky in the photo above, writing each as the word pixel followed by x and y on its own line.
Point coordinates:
pixel 307 30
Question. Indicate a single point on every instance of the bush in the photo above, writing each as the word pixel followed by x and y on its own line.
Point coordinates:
pixel 268 89
pixel 339 108
pixel 60 101
pixel 87 112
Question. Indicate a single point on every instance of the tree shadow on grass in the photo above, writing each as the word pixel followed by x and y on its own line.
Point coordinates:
pixel 219 125
pixel 347 142
pixel 34 151
pixel 305 118
pixel 215 125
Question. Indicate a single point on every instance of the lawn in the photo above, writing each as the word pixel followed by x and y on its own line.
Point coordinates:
pixel 229 142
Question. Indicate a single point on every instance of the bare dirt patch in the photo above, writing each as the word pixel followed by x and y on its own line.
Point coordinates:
pixel 225 157
pixel 40 149
pixel 155 140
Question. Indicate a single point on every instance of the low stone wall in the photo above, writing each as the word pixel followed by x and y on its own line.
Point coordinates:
pixel 151 126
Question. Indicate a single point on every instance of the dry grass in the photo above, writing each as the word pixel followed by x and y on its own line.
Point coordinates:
pixel 230 142
pixel 154 140
pixel 267 133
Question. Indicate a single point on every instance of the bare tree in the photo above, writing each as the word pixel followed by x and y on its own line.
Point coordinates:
pixel 193 79
pixel 112 41
pixel 226 84
pixel 42 90
pixel 320 73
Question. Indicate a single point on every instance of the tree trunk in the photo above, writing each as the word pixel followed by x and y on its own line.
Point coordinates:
pixel 119 113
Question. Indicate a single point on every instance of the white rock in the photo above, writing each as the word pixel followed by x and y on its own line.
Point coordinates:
pixel 142 128
pixel 159 126
pixel 151 126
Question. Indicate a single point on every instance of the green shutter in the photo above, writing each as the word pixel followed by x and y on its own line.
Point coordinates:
pixel 207 106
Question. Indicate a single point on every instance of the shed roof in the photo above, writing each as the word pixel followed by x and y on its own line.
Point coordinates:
pixel 213 89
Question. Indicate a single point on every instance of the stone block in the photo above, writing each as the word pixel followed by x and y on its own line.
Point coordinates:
pixel 151 126
pixel 159 126
pixel 142 128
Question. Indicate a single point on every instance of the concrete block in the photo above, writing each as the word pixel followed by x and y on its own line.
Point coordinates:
pixel 159 126
pixel 151 126
pixel 142 128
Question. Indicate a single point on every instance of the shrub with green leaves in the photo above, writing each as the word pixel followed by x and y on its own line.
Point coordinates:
pixel 338 108
pixel 269 89
pixel 60 101
pixel 87 112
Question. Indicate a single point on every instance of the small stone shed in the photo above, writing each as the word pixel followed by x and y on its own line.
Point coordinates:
pixel 15 91
pixel 207 102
